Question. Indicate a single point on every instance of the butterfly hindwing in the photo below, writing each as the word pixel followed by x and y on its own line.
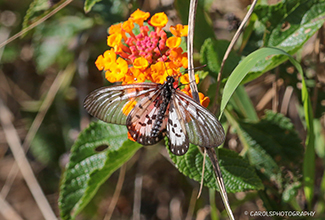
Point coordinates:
pixel 107 103
pixel 139 107
pixel 142 118
pixel 202 127
pixel 177 139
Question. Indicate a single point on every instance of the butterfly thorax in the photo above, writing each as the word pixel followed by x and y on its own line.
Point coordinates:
pixel 168 90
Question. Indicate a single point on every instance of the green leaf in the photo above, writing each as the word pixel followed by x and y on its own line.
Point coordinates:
pixel 309 160
pixel 242 104
pixel 36 10
pixel 291 191
pixel 289 24
pixel 91 164
pixel 237 173
pixel 273 142
pixel 89 4
pixel 212 52
pixel 111 8
pixel 241 71
pixel 319 139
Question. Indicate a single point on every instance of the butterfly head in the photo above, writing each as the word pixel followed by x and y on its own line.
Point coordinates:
pixel 170 81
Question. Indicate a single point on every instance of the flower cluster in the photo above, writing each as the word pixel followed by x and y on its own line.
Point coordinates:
pixel 142 51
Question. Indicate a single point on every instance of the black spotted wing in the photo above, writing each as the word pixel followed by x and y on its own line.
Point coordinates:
pixel 176 132
pixel 201 127
pixel 143 117
pixel 109 104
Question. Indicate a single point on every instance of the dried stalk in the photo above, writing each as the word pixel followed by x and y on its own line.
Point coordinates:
pixel 23 164
pixel 211 152
pixel 231 45
pixel 30 27
pixel 117 193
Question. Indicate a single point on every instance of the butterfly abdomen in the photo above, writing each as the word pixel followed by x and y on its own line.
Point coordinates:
pixel 160 117
pixel 167 94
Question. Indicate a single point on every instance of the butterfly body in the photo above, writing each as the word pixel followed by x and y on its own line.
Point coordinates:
pixel 167 93
pixel 160 109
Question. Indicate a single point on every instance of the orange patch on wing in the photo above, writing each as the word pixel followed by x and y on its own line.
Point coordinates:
pixel 130 137
pixel 129 106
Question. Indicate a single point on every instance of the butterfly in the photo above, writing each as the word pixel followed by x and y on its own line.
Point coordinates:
pixel 159 110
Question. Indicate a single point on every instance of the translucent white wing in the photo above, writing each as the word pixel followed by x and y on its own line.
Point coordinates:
pixel 186 121
pixel 143 117
pixel 107 103
pixel 176 132
pixel 202 127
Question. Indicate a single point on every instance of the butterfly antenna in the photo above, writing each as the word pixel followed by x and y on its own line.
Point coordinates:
pixel 195 68
pixel 185 71
pixel 161 57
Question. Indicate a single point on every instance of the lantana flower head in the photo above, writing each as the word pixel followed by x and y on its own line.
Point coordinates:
pixel 146 51
pixel 141 51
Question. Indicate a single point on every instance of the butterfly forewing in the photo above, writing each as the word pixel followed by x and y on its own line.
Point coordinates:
pixel 202 127
pixel 143 117
pixel 107 103
pixel 138 106
pixel 176 132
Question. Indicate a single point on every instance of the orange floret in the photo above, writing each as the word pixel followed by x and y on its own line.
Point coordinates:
pixel 184 79
pixel 140 63
pixel 159 20
pixel 117 71
pixel 173 42
pixel 115 28
pixel 179 30
pixel 104 61
pixel 114 40
pixel 158 73
pixel 139 16
pixel 134 76
pixel 128 26
pixel 184 60
pixel 100 64
pixel 178 57
pixel 204 100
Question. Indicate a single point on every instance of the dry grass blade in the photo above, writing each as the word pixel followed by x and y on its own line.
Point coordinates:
pixel 137 196
pixel 117 193
pixel 191 207
pixel 203 169
pixel 37 122
pixel 23 164
pixel 7 211
pixel 190 37
pixel 214 160
pixel 30 27
pixel 231 45
pixel 286 100
pixel 211 152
